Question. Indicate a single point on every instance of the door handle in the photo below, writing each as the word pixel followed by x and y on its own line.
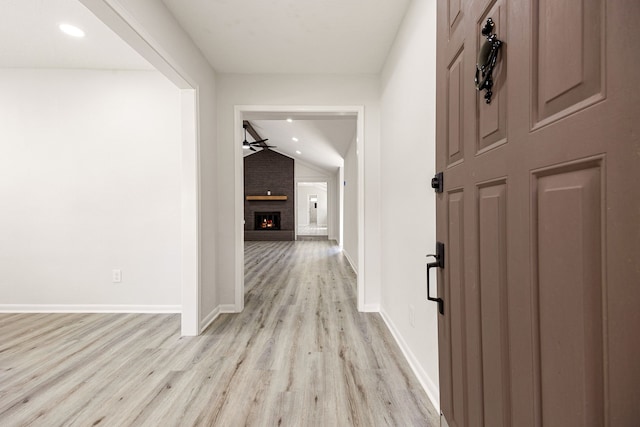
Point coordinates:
pixel 439 262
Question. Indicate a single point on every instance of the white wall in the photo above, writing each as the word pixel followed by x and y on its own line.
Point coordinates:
pixel 292 90
pixel 153 31
pixel 408 208
pixel 90 182
pixel 350 214
pixel 322 208
pixel 339 221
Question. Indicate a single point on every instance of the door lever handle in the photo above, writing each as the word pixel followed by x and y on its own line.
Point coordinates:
pixel 439 262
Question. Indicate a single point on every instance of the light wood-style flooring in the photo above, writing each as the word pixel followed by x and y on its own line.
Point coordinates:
pixel 299 355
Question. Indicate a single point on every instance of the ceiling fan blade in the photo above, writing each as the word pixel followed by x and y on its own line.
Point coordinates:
pixel 260 141
pixel 252 149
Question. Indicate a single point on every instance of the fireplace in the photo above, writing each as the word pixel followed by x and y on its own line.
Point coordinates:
pixel 267 221
pixel 268 171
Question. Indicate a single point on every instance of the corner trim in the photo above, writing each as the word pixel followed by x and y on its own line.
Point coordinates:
pixel 427 384
pixel 208 320
pixel 215 313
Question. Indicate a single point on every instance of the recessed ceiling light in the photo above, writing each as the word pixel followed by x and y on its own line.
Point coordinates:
pixel 298 152
pixel 295 139
pixel 290 120
pixel 71 30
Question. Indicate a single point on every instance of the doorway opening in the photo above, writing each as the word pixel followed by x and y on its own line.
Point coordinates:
pixel 312 210
pixel 343 226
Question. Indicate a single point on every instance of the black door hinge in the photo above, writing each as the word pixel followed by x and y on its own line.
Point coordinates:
pixel 437 182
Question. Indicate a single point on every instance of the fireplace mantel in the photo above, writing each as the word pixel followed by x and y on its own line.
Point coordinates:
pixel 266 197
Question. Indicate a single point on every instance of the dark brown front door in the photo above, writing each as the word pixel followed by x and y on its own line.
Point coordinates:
pixel 540 214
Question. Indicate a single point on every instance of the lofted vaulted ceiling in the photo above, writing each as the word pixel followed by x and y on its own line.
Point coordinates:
pixel 321 140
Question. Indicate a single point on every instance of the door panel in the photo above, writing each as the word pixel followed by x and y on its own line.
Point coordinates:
pixel 456 305
pixel 455 113
pixel 493 296
pixel 569 291
pixel 569 51
pixel 540 215
pixel 455 10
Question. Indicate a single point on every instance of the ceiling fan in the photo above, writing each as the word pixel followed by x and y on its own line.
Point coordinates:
pixel 261 143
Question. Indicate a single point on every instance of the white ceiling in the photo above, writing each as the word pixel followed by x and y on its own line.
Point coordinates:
pixel 323 140
pixel 243 36
pixel 30 38
pixel 292 36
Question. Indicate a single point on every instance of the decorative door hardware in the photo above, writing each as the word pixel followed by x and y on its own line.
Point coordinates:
pixel 487 59
pixel 439 262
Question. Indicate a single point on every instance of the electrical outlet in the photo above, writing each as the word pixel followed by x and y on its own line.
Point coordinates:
pixel 116 276
pixel 412 316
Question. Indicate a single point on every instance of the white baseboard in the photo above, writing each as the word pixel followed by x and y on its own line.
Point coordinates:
pixel 353 266
pixel 370 308
pixel 229 308
pixel 427 384
pixel 88 308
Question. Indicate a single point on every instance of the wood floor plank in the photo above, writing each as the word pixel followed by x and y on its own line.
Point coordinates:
pixel 299 355
pixel 45 389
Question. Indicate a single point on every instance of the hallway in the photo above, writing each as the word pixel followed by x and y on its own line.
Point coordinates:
pixel 299 355
pixel 312 230
pixel 341 367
